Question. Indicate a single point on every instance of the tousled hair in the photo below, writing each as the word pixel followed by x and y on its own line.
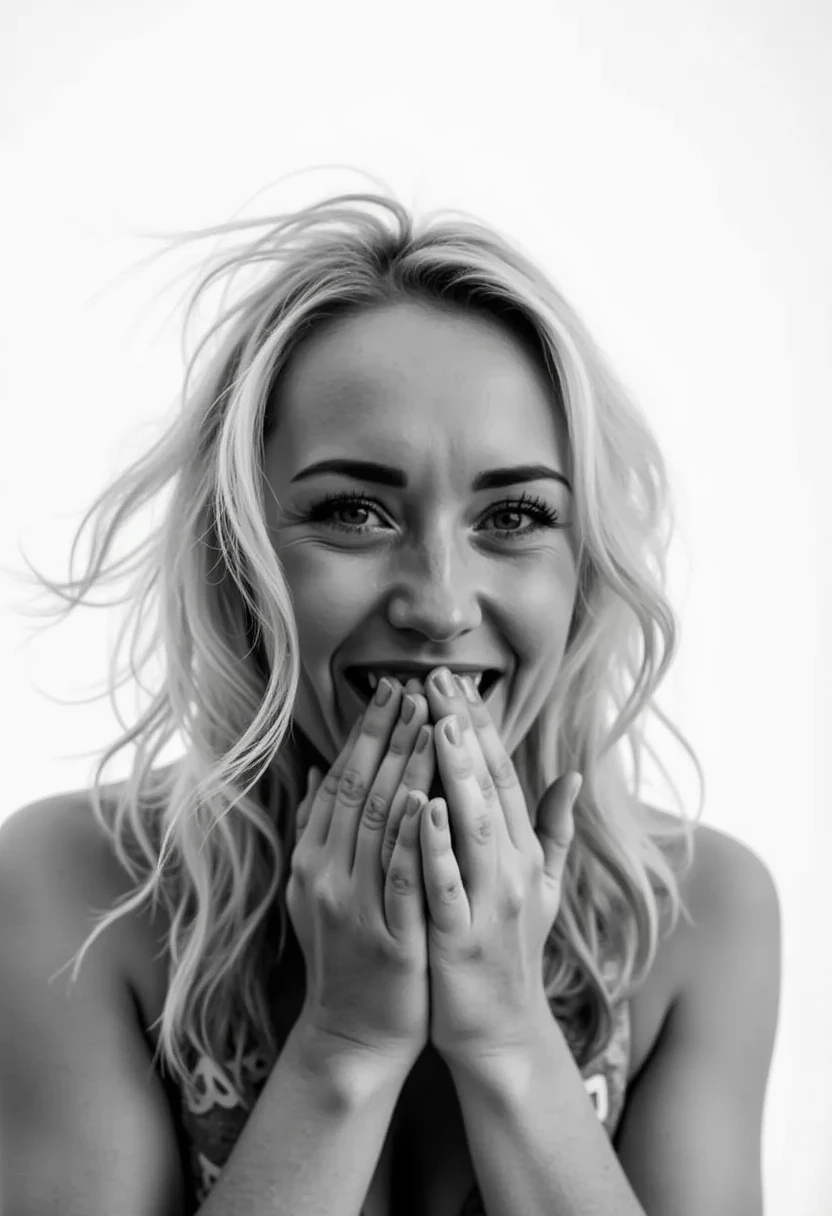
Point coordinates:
pixel 210 837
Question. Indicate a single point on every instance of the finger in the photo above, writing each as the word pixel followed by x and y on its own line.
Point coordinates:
pixel 322 802
pixel 556 824
pixel 313 784
pixel 442 703
pixel 477 818
pixel 447 901
pixel 369 847
pixel 499 768
pixel 417 775
pixel 404 900
pixel 356 779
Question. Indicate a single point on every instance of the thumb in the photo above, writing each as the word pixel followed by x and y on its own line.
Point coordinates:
pixel 556 824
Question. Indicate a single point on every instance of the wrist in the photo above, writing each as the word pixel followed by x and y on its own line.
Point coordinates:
pixel 505 1052
pixel 353 1070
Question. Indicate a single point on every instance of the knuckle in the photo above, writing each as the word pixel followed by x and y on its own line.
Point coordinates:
pixel 489 789
pixel 449 891
pixel 514 896
pixel 352 788
pixel 504 774
pixel 483 828
pixel 375 812
pixel 401 880
pixel 326 896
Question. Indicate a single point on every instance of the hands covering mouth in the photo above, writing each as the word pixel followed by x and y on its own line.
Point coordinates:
pixel 423 919
pixel 434 684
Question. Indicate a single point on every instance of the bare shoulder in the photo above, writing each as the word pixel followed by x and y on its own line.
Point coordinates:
pixel 734 926
pixel 63 830
pixel 58 863
pixel 727 884
pixel 731 896
pixel 60 835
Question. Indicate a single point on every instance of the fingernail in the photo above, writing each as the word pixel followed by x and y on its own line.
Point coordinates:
pixel 469 688
pixel 408 709
pixel 444 682
pixel 414 802
pixel 452 731
pixel 384 691
pixel 422 739
pixel 439 815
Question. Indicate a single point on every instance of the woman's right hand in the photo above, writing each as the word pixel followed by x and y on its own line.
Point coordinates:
pixel 360 921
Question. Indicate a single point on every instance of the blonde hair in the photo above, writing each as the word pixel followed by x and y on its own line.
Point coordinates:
pixel 205 840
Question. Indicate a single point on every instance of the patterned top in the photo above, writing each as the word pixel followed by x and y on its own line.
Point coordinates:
pixel 215 1115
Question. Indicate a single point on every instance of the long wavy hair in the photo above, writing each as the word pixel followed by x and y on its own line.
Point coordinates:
pixel 210 838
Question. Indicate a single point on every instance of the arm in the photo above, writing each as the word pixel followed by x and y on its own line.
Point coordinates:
pixel 536 1142
pixel 690 1136
pixel 85 1128
pixel 313 1139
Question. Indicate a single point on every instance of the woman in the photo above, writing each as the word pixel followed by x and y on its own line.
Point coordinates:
pixel 367 946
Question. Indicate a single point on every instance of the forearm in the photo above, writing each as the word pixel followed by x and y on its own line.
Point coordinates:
pixel 313 1139
pixel 536 1142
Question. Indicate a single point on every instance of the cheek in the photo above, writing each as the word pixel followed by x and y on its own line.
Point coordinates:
pixel 539 612
pixel 330 598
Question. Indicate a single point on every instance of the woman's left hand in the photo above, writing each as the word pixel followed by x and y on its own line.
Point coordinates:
pixel 493 898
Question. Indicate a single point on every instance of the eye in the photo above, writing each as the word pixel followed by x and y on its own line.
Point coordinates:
pixel 351 503
pixel 539 511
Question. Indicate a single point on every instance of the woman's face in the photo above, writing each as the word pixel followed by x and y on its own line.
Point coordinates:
pixel 429 557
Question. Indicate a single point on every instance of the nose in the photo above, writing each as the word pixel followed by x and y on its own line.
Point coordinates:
pixel 436 592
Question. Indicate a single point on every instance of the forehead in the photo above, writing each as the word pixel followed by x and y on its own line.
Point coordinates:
pixel 411 380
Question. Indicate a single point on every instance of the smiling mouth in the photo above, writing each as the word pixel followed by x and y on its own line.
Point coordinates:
pixel 363 681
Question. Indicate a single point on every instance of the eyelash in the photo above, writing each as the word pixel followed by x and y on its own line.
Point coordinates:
pixel 544 515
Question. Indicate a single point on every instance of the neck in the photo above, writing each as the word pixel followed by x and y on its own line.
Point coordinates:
pixel 291 769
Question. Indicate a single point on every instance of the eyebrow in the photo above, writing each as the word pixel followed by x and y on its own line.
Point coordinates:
pixel 386 475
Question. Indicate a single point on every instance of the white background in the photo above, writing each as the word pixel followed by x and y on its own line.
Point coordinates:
pixel 669 165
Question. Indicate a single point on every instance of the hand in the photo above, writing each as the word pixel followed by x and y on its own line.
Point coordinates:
pixel 492 905
pixel 363 934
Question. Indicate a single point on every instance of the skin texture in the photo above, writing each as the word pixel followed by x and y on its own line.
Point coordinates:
pixel 431 572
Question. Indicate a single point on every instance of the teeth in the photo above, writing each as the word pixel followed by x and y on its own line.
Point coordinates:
pixel 403 677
